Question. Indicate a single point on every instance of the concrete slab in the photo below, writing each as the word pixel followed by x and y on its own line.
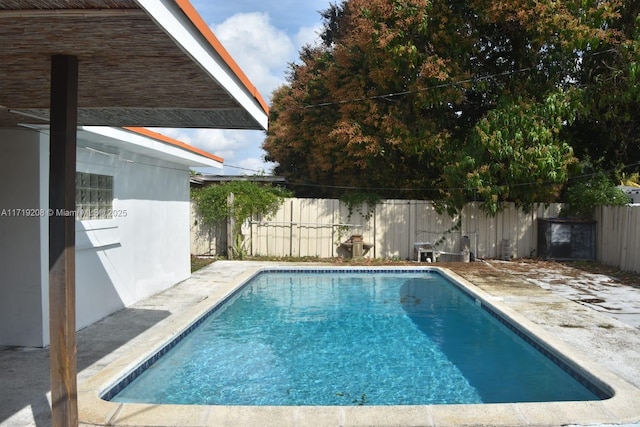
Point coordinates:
pixel 593 335
pixel 599 292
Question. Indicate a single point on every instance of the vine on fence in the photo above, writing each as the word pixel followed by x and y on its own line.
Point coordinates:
pixel 341 232
pixel 355 201
pixel 249 199
pixel 456 227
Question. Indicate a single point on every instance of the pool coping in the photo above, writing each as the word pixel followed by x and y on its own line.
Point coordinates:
pixel 95 411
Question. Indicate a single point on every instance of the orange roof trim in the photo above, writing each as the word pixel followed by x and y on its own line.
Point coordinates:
pixel 163 138
pixel 202 26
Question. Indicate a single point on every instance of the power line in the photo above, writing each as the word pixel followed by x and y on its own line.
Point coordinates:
pixel 241 168
pixel 419 90
pixel 433 189
pixel 439 86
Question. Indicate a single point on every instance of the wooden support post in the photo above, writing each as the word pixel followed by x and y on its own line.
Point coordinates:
pixel 62 196
pixel 231 225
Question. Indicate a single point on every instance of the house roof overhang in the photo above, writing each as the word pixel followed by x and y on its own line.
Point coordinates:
pixel 151 63
pixel 141 63
pixel 122 143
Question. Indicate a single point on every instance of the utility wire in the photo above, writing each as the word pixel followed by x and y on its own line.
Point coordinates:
pixel 439 86
pixel 416 189
pixel 404 93
pixel 419 90
pixel 244 169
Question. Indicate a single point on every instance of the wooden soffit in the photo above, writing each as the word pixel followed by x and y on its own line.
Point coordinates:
pixel 133 70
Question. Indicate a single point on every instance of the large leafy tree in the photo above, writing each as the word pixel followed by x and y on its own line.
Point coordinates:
pixel 372 51
pixel 451 100
pixel 609 76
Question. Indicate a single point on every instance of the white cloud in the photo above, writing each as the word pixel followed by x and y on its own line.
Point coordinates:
pixel 259 48
pixel 224 143
pixel 250 166
pixel 263 52
pixel 308 36
pixel 237 147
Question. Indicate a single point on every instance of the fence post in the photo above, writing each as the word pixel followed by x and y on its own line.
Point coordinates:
pixel 616 230
pixel 230 225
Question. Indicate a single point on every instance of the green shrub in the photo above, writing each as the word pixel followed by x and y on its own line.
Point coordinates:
pixel 249 199
pixel 583 196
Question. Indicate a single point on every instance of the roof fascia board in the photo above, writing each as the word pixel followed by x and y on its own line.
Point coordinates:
pixel 178 22
pixel 149 143
pixel 138 143
pixel 172 141
pixel 214 42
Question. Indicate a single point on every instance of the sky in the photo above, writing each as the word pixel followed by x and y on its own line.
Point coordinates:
pixel 263 37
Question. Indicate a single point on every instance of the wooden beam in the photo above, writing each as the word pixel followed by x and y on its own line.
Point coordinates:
pixel 62 199
pixel 231 224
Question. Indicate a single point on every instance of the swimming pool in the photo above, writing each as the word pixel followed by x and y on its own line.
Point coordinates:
pixel 521 304
pixel 353 337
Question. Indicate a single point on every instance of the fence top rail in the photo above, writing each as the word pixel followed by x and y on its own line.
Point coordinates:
pixel 456 232
pixel 317 224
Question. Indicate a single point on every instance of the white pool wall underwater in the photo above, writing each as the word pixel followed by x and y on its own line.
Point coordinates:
pixel 618 408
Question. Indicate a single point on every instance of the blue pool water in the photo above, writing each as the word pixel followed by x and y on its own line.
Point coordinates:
pixel 351 339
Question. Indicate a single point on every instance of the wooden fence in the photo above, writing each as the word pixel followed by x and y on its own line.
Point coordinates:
pixel 617 237
pixel 317 227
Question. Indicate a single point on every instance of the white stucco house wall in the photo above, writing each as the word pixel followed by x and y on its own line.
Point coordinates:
pixel 74 76
pixel 139 246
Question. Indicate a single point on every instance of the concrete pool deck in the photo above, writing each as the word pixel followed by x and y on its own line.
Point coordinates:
pixel 606 346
